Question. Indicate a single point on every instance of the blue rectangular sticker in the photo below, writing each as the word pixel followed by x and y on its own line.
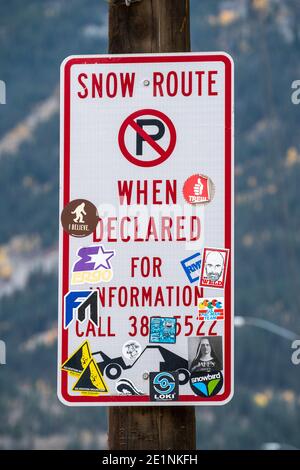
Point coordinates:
pixel 162 330
pixel 191 266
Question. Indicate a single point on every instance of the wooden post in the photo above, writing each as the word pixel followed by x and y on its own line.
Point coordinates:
pixel 150 26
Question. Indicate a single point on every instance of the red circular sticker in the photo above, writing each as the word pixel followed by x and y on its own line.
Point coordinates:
pixel 198 189
pixel 140 122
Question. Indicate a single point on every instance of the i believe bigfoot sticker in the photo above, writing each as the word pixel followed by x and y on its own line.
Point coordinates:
pixel 79 218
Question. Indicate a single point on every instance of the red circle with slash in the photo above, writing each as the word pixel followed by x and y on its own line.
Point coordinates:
pixel 164 154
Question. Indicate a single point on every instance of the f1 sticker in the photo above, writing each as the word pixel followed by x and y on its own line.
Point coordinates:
pixel 79 218
pixel 81 304
pixel 91 381
pixel 214 267
pixel 198 189
pixel 162 330
pixel 78 361
pixel 93 265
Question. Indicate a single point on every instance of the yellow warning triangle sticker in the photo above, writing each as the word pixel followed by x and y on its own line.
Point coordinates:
pixel 91 381
pixel 79 360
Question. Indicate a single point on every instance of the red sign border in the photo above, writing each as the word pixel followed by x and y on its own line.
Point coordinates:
pixel 228 346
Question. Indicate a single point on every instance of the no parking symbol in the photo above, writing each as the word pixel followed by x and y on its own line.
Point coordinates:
pixel 147 138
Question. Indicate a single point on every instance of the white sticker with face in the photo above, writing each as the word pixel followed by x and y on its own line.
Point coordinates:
pixel 131 350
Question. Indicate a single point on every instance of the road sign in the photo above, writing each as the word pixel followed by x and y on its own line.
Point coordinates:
pixel 146 239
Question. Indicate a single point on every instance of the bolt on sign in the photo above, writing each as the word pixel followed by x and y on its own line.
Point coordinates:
pixel 146 230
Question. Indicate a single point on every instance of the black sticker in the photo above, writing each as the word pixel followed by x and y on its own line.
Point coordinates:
pixel 206 384
pixel 164 386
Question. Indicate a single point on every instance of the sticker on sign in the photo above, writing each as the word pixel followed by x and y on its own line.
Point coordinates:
pixel 146 277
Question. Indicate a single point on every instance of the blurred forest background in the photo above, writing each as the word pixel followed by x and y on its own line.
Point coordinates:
pixel 263 37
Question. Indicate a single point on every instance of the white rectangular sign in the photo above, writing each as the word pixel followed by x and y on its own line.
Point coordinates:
pixel 146 233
